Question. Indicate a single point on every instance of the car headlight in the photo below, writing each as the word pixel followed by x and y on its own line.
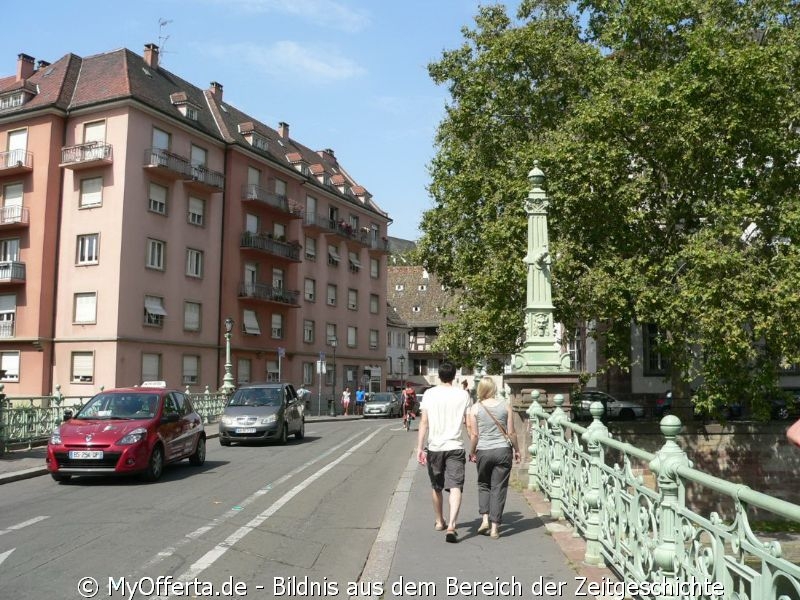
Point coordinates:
pixel 135 436
pixel 268 419
pixel 55 437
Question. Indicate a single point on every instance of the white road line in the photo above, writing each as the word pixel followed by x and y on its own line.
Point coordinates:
pixel 5 555
pixel 217 552
pixel 23 524
pixel 167 552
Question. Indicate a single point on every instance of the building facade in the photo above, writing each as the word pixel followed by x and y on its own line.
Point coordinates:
pixel 140 211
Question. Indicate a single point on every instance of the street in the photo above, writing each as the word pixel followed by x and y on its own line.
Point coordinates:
pixel 306 513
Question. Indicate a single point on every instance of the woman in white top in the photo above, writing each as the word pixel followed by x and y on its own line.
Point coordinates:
pixel 490 422
pixel 346 400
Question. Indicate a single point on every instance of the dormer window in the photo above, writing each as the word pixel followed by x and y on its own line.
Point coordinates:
pixel 181 101
pixel 259 142
pixel 12 100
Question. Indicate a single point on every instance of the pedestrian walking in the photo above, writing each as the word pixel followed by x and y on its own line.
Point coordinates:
pixel 493 446
pixel 360 399
pixel 346 400
pixel 444 410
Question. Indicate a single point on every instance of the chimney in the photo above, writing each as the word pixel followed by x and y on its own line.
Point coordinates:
pixel 151 55
pixel 283 130
pixel 327 153
pixel 216 90
pixel 42 64
pixel 24 66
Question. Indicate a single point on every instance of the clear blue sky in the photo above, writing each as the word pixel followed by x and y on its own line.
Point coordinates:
pixel 350 75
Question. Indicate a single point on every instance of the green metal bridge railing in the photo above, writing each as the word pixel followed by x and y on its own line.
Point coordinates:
pixel 646 533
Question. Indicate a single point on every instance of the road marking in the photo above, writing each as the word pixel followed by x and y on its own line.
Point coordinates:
pixel 167 552
pixel 217 552
pixel 23 524
pixel 5 555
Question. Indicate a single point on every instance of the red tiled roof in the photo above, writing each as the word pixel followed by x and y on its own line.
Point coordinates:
pixel 294 157
pixel 317 169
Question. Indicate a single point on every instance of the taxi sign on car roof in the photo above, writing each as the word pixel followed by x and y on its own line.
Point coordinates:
pixel 154 384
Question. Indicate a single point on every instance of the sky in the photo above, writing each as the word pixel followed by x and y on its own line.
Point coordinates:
pixel 350 75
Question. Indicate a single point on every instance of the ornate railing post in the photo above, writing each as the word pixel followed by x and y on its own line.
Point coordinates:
pixel 594 495
pixel 58 397
pixel 557 461
pixel 534 411
pixel 665 464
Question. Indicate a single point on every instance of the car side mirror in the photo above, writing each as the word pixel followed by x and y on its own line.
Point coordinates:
pixel 67 415
pixel 170 418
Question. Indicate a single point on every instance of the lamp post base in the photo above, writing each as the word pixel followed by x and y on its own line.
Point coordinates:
pixel 331 408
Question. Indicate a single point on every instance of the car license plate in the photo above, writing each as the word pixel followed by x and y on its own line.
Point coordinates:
pixel 86 454
pixel 245 430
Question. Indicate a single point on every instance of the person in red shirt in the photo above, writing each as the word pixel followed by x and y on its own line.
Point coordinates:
pixel 409 397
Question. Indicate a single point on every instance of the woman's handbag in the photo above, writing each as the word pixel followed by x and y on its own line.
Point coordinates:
pixel 500 427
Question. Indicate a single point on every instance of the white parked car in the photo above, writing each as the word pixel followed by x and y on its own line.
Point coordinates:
pixel 624 410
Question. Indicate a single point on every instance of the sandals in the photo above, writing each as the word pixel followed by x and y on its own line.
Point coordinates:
pixel 451 536
pixel 439 526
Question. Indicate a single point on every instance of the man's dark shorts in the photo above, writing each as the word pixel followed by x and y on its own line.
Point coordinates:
pixel 446 469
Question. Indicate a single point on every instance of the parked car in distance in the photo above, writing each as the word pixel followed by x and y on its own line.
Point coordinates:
pixel 262 412
pixel 623 410
pixel 383 404
pixel 127 430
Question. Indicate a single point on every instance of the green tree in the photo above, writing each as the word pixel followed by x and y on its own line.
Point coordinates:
pixel 669 132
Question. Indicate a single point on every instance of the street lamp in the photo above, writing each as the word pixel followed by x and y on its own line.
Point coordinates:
pixel 402 372
pixel 227 381
pixel 333 342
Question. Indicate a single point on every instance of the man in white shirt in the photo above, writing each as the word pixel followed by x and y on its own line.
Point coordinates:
pixel 443 408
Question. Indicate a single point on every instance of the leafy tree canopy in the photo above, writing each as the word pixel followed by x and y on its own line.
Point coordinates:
pixel 669 131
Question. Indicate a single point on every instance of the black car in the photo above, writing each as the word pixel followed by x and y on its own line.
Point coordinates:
pixel 262 412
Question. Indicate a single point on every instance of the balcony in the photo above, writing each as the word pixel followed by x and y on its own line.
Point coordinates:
pixel 12 272
pixel 6 329
pixel 380 246
pixel 263 198
pixel 168 164
pixel 338 228
pixel 14 217
pixel 85 156
pixel 204 179
pixel 268 293
pixel 264 243
pixel 15 162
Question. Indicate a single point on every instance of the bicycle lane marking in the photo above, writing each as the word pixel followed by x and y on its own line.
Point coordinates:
pixel 217 552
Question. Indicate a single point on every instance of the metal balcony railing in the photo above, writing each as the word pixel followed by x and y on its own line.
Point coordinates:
pixel 158 157
pixel 257 241
pixel 12 271
pixel 10 215
pixel 88 152
pixel 262 291
pixel 251 191
pixel 16 158
pixel 206 176
pixel 6 329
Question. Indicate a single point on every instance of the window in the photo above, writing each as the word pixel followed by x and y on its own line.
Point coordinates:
pixel 191 369
pixel 311 248
pixel 422 287
pixel 94 132
pixel 655 363
pixel 8 313
pixel 12 203
pixel 250 323
pixel 194 262
pixel 250 277
pixel 279 231
pixel 272 371
pixel 191 316
pixel 9 250
pixel 12 100
pixel 331 294
pixel 251 223
pixel 156 254
pixel 154 312
pixel 310 290
pixel 277 326
pixel 91 192
pixel 280 187
pixel 197 211
pixel 333 214
pixel 17 146
pixel 243 370
pixel 85 308
pixel 87 249
pixel 333 256
pixel 82 366
pixel 308 373
pixel 374 301
pixel 399 287
pixel 330 332
pixel 311 209
pixel 308 331
pixel 355 265
pixel 354 222
pixel 161 139
pixel 277 278
pixel 151 367
pixel 199 156
pixel 352 299
pixel 9 362
pixel 374 268
pixel 416 308
pixel 157 199
pixel 352 336
pixel 373 339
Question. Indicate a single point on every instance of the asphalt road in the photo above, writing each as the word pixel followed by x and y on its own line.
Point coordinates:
pixel 307 511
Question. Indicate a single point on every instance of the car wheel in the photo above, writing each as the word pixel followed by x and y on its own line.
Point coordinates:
pixel 60 478
pixel 224 442
pixel 301 433
pixel 199 456
pixel 626 414
pixel 284 434
pixel 782 413
pixel 155 466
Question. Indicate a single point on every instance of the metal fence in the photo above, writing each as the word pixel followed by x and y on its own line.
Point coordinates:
pixel 646 532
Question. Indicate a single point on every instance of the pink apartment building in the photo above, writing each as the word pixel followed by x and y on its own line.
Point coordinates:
pixel 139 212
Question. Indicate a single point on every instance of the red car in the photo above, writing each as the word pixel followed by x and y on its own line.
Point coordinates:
pixel 127 430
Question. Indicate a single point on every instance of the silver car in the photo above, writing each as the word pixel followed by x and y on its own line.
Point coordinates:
pixel 624 410
pixel 261 412
pixel 383 404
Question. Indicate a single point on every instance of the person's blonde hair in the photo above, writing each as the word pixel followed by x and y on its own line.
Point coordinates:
pixel 486 388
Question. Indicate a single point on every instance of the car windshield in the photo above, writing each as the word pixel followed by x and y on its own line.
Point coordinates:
pixel 257 397
pixel 380 398
pixel 120 406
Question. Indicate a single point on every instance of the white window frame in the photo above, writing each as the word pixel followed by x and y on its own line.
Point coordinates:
pixel 154 312
pixel 308 331
pixel 272 370
pixel 196 211
pixel 352 299
pixel 374 268
pixel 250 324
pixel 151 366
pixel 82 367
pixel 156 254
pixel 191 369
pixel 330 294
pixel 9 361
pixel 352 336
pixel 192 314
pixel 194 263
pixel 311 248
pixel 87 251
pixel 373 339
pixel 277 326
pixel 91 192
pixel 84 308
pixel 310 290
pixel 157 196
pixel 244 368
pixel 308 373
pixel 374 304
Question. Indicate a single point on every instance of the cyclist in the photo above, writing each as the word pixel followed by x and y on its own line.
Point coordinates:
pixel 409 398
